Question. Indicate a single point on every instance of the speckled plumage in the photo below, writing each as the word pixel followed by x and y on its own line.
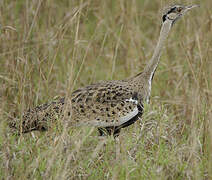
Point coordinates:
pixel 109 105
pixel 103 105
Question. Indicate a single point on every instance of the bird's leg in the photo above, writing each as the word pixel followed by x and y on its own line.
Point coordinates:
pixel 105 131
pixel 109 131
pixel 116 132
pixel 101 131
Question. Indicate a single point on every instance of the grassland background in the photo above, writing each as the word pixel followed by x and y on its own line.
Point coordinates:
pixel 49 48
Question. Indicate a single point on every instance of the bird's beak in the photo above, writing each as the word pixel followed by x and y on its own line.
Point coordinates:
pixel 188 8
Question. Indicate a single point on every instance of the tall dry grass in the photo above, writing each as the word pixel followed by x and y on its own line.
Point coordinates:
pixel 48 48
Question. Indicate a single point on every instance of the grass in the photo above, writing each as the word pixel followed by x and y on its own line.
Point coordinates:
pixel 50 48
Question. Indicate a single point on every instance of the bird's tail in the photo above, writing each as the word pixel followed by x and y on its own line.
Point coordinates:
pixel 39 118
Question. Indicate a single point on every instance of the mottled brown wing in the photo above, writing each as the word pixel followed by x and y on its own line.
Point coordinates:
pixel 102 105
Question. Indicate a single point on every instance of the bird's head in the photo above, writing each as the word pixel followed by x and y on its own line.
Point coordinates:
pixel 173 13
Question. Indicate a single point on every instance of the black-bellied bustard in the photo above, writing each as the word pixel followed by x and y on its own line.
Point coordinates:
pixel 109 105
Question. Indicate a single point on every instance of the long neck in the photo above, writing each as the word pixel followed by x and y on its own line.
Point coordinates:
pixel 153 63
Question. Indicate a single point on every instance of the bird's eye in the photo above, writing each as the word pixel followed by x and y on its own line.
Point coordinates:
pixel 179 9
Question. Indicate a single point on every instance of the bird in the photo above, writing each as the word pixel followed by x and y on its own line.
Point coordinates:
pixel 107 105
